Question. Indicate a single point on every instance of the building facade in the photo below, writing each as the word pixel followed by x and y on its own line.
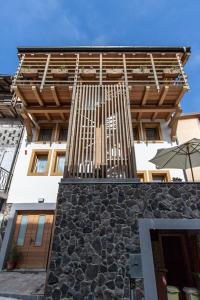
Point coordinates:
pixel 94 117
pixel 10 136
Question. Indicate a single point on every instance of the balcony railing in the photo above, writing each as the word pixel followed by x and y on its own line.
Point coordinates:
pixel 105 68
pixel 4 180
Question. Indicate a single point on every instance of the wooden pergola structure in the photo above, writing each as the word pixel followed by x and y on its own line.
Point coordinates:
pixel 98 92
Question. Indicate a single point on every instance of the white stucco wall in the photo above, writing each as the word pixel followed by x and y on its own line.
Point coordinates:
pixel 28 189
pixel 145 151
pixel 188 129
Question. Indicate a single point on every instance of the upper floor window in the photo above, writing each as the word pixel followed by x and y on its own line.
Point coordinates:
pixel 58 163
pixel 62 137
pixel 45 134
pixel 152 132
pixel 39 163
pixel 159 176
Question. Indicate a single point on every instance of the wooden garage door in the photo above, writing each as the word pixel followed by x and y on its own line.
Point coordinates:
pixel 32 236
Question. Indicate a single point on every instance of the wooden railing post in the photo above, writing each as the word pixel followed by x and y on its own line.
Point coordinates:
pixel 133 160
pixel 182 71
pixel 154 72
pixel 66 171
pixel 45 71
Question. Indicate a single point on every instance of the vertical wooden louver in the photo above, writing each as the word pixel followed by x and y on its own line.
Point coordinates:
pixel 100 141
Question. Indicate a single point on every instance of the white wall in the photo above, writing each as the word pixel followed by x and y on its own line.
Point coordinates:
pixel 187 130
pixel 146 151
pixel 27 189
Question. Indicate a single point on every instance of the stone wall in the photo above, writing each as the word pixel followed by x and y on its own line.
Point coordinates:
pixel 96 229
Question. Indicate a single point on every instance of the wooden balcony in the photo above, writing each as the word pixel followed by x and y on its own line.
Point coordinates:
pixel 46 79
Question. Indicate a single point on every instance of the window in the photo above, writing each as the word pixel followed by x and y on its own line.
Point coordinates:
pixel 136 134
pixel 152 132
pixel 159 176
pixel 39 163
pixel 40 229
pixel 22 231
pixel 58 163
pixel 142 175
pixel 45 134
pixel 62 134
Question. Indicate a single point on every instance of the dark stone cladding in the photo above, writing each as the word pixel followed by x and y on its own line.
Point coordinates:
pixel 96 229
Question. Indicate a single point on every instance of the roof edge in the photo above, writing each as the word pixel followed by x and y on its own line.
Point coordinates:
pixel 32 49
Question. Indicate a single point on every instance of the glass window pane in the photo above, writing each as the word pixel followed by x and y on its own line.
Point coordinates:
pixel 63 134
pixel 60 163
pixel 22 231
pixel 41 163
pixel 159 178
pixel 40 229
pixel 151 134
pixel 45 134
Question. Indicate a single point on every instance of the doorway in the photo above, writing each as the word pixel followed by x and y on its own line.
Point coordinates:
pixel 32 236
pixel 176 260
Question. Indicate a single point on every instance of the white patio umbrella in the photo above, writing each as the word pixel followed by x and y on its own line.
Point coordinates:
pixel 183 156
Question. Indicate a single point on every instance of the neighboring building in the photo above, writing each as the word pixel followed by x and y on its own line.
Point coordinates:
pixel 10 133
pixel 95 116
pixel 189 128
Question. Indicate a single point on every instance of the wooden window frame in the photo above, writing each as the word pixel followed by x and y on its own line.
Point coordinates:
pixel 34 154
pixel 53 165
pixel 144 174
pixel 152 125
pixel 134 125
pixel 160 173
pixel 46 126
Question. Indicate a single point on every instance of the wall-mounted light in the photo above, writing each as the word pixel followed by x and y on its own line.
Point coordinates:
pixel 40 200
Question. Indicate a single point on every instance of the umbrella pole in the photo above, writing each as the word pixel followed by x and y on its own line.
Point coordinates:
pixel 190 163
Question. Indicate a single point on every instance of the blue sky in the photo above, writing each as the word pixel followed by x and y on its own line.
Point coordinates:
pixel 103 22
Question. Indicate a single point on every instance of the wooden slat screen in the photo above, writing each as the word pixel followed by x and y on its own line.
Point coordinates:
pixel 99 142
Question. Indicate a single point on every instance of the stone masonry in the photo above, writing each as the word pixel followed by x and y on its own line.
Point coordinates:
pixel 96 229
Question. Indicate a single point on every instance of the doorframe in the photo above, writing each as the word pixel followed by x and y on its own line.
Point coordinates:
pixel 145 225
pixel 7 240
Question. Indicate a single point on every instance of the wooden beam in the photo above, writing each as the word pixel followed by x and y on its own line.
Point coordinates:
pixel 37 95
pixel 51 110
pixel 139 116
pixel 184 89
pixel 152 109
pixel 145 95
pixel 154 72
pixel 55 95
pixel 174 123
pixel 47 116
pixel 154 116
pixel 19 94
pixel 33 119
pixel 163 94
pixel 27 123
pixel 62 116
